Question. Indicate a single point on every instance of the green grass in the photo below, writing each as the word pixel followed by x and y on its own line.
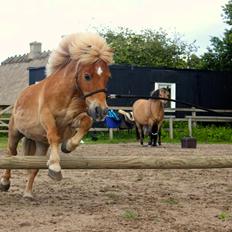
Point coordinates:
pixel 130 215
pixel 3 142
pixel 170 201
pixel 122 136
pixel 203 134
pixel 223 216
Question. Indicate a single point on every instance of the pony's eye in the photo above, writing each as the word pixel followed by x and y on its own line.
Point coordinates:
pixel 88 77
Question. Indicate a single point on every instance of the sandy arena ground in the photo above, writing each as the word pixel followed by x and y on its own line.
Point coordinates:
pixel 123 200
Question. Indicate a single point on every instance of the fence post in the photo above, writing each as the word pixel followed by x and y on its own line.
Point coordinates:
pixel 111 134
pixel 171 128
pixel 190 126
pixel 194 116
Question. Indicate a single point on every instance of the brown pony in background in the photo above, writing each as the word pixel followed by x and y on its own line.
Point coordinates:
pixel 60 108
pixel 149 115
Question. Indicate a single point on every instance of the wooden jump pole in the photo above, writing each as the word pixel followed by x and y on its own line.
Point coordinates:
pixel 120 162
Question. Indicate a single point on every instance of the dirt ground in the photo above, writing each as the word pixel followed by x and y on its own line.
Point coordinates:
pixel 123 200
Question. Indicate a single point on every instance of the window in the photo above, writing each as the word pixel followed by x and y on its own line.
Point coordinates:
pixel 172 89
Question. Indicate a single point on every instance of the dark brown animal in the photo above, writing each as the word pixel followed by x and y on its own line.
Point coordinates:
pixel 149 115
pixel 60 108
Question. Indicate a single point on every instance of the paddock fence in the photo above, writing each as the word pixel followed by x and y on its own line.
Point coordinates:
pixel 172 115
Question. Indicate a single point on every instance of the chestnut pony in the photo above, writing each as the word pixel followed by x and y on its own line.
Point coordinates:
pixel 149 115
pixel 60 109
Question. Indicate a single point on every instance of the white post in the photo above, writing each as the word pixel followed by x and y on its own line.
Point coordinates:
pixel 171 128
pixel 111 135
pixel 194 116
pixel 190 126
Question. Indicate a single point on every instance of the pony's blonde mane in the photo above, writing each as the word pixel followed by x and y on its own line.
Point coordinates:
pixel 85 48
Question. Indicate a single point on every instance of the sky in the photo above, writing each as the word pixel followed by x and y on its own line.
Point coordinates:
pixel 45 21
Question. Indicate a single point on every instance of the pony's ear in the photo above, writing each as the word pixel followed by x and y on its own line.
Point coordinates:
pixel 155 93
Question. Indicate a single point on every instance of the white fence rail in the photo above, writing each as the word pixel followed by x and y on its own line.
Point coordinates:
pixel 192 118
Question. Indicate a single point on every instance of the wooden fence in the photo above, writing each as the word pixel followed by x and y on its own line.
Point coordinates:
pixel 192 118
pixel 4 119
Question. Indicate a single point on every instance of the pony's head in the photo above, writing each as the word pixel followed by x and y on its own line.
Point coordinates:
pixel 91 82
pixel 162 93
pixel 92 56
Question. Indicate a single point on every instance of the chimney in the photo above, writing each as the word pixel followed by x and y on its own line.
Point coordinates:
pixel 35 50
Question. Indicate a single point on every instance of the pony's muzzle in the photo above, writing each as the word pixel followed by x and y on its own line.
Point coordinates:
pixel 98 113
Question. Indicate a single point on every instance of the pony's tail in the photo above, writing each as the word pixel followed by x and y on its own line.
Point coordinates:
pixel 29 146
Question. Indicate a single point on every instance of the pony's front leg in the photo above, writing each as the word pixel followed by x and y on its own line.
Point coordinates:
pixel 159 133
pixel 85 123
pixel 54 168
pixel 154 134
pixel 49 123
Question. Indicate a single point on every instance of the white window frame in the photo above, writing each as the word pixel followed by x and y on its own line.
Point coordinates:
pixel 173 91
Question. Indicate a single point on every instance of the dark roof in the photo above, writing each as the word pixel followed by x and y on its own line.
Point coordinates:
pixel 24 58
pixel 14 75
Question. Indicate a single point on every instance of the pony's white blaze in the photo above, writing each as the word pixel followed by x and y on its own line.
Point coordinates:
pixel 99 71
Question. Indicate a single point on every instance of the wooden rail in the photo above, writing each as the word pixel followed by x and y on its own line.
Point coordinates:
pixel 121 162
pixel 192 119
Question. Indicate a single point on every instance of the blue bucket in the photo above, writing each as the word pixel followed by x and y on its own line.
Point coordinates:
pixel 112 123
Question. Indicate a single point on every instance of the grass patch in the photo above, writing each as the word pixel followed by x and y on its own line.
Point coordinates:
pixel 170 201
pixel 120 136
pixel 203 134
pixel 223 216
pixel 3 142
pixel 130 215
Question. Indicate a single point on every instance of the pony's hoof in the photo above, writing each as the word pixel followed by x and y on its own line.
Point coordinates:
pixel 28 196
pixel 55 175
pixel 63 148
pixel 4 187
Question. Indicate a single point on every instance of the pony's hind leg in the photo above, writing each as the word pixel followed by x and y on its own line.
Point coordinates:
pixel 14 137
pixel 159 137
pixel 30 148
pixel 154 134
pixel 159 133
pixel 137 133
pixel 140 132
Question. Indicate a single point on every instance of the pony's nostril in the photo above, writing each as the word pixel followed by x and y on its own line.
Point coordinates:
pixel 98 110
pixel 105 111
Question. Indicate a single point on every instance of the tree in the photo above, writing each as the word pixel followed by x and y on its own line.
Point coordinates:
pixel 219 54
pixel 149 48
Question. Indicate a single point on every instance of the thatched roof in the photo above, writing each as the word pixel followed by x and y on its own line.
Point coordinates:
pixel 14 75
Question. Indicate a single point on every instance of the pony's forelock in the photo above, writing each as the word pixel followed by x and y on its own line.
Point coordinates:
pixel 85 48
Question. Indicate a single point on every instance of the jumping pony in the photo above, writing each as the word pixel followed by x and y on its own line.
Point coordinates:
pixel 149 115
pixel 60 109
